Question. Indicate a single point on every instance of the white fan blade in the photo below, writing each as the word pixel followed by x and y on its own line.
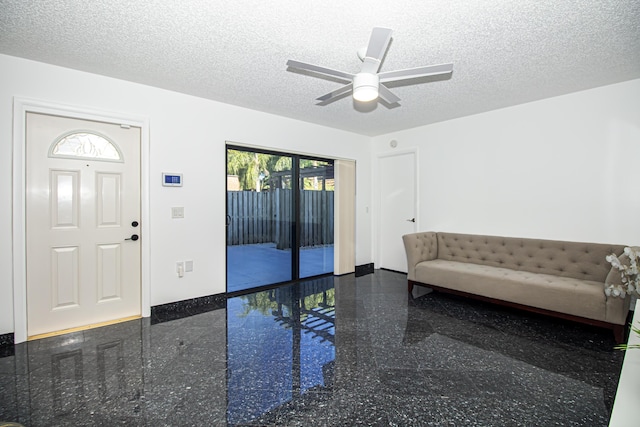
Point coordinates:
pixel 319 70
pixel 412 73
pixel 387 95
pixel 335 94
pixel 378 43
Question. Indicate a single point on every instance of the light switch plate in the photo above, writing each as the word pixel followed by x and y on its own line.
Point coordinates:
pixel 177 212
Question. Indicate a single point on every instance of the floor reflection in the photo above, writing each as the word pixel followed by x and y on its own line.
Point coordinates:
pixel 130 373
pixel 282 338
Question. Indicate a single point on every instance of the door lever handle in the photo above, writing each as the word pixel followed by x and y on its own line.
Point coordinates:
pixel 412 220
pixel 133 237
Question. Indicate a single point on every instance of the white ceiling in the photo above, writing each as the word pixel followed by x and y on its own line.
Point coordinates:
pixel 505 52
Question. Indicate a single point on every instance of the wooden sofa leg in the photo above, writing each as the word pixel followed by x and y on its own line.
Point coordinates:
pixel 618 333
pixel 410 286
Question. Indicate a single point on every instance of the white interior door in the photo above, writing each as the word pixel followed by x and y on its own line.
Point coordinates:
pixel 82 203
pixel 397 184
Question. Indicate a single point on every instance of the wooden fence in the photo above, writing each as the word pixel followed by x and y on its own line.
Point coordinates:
pixel 266 216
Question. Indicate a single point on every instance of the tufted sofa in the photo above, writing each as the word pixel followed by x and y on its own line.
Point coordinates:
pixel 563 279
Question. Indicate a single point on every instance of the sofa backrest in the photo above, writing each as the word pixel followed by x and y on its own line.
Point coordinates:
pixel 585 261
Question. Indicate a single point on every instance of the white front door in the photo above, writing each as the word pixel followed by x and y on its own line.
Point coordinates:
pixel 397 184
pixel 82 202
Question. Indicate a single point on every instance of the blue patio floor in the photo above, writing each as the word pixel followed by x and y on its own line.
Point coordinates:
pixel 249 266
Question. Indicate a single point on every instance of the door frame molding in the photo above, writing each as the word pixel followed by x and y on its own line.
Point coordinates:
pixel 22 106
pixel 378 195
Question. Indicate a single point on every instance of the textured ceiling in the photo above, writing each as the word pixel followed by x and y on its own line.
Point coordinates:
pixel 505 52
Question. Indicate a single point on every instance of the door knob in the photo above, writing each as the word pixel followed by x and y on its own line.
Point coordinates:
pixel 412 220
pixel 133 237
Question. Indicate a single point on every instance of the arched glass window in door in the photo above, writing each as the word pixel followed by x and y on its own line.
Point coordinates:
pixel 85 145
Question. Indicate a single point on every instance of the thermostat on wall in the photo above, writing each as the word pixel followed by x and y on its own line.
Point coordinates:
pixel 171 179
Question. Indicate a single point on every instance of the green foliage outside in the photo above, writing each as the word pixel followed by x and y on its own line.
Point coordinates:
pixel 265 303
pixel 254 170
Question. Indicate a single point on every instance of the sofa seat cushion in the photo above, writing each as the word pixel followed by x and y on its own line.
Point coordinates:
pixel 581 298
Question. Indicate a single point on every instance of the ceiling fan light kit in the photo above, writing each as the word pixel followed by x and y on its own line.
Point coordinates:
pixel 365 87
pixel 368 84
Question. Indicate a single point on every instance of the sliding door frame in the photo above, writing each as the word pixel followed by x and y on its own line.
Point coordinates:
pixel 295 205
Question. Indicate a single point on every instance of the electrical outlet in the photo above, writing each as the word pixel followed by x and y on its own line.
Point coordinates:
pixel 188 266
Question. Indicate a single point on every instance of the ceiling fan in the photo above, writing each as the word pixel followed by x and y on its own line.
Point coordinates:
pixel 368 84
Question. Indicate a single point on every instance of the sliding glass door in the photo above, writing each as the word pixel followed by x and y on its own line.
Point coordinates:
pixel 316 217
pixel 279 218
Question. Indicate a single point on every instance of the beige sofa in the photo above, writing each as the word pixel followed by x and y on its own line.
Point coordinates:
pixel 563 279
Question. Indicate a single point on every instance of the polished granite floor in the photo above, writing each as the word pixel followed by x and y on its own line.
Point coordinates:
pixel 340 351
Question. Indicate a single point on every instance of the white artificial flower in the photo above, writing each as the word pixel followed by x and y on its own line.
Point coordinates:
pixel 629 274
pixel 615 262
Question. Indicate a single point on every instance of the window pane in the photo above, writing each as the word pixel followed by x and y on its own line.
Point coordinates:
pixel 84 145
pixel 316 217
pixel 259 219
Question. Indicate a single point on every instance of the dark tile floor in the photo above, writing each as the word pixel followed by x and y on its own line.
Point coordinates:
pixel 330 352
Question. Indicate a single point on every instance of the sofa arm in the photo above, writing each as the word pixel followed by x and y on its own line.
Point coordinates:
pixel 419 247
pixel 617 310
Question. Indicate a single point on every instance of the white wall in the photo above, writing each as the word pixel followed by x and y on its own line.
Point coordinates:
pixel 562 168
pixel 187 135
